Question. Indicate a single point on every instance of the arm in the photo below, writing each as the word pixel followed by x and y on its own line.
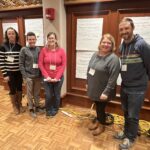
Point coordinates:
pixel 61 71
pixel 145 54
pixel 41 64
pixel 2 62
pixel 114 69
pixel 22 62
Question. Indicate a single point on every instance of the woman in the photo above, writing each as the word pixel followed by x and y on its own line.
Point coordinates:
pixel 52 62
pixel 9 65
pixel 102 74
pixel 28 62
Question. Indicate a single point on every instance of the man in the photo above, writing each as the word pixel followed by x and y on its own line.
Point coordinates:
pixel 135 73
pixel 28 62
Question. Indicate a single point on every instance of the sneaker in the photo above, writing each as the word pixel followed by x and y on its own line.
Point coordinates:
pixel 126 144
pixel 53 113
pixel 119 135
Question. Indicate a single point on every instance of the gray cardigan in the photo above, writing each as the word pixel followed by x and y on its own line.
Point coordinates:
pixel 107 69
pixel 27 57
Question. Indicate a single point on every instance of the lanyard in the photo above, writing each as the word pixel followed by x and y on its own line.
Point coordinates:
pixel 11 47
pixel 34 54
pixel 54 59
pixel 125 54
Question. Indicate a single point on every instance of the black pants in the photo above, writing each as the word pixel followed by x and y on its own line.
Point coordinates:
pixel 100 110
pixel 15 82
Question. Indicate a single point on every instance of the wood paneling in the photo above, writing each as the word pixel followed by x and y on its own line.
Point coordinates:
pixel 112 12
pixel 18 16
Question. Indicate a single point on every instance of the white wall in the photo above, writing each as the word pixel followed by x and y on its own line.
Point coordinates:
pixel 58 26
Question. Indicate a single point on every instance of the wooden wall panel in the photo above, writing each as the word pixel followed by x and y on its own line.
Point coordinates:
pixel 76 91
pixel 18 16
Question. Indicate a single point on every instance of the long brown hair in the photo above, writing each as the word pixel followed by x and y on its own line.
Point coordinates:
pixel 6 36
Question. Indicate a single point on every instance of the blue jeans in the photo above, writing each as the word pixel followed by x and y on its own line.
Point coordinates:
pixel 132 99
pixel 52 96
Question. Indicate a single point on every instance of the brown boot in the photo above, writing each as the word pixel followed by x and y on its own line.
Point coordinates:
pixel 15 104
pixel 99 130
pixel 19 99
pixel 93 125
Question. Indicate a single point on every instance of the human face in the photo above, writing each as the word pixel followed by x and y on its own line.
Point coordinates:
pixel 126 31
pixel 31 41
pixel 11 35
pixel 51 41
pixel 105 46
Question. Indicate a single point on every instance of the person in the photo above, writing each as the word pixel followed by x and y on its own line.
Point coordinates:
pixel 28 63
pixel 135 71
pixel 102 73
pixel 9 65
pixel 52 62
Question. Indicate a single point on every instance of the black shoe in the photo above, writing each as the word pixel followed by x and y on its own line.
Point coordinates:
pixel 39 110
pixel 32 113
pixel 53 113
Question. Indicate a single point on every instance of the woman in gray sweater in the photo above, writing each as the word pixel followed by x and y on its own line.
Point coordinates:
pixel 102 74
pixel 28 63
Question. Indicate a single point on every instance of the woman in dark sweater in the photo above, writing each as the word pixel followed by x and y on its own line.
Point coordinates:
pixel 9 66
pixel 102 74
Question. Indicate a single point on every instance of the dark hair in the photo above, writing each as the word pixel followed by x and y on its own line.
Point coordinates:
pixel 128 20
pixel 53 33
pixel 6 36
pixel 31 34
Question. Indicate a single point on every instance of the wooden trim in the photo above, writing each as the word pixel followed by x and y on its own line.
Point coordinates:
pixel 21 29
pixel 134 10
pixel 69 2
pixel 1 31
pixel 19 8
pixel 113 106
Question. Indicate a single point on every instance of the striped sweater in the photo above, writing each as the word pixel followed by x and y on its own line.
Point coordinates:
pixel 9 58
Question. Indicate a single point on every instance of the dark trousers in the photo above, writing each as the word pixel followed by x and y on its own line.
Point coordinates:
pixel 132 100
pixel 100 110
pixel 52 93
pixel 15 82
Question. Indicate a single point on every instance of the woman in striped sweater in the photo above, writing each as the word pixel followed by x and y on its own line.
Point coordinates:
pixel 9 66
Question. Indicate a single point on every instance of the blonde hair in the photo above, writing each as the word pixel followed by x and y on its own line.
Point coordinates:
pixel 111 38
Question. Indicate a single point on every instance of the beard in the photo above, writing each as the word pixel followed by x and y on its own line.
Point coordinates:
pixel 126 37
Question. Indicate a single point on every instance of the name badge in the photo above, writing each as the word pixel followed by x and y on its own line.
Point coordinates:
pixel 124 68
pixel 10 58
pixel 92 71
pixel 35 66
pixel 52 67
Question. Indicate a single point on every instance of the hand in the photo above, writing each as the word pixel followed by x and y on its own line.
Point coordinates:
pixel 54 80
pixel 6 78
pixel 103 97
pixel 48 79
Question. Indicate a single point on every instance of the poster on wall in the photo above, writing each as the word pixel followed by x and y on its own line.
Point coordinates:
pixel 36 26
pixel 89 32
pixel 142 27
pixel 82 61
